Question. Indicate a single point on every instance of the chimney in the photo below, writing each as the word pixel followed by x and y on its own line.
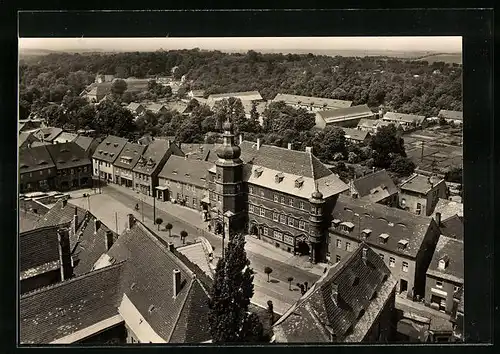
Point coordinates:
pixel 241 138
pixel 335 294
pixel 97 224
pixel 171 247
pixel 64 202
pixel 176 282
pixel 75 221
pixel 108 240
pixel 365 257
pixel 289 146
pixel 131 221
pixel 258 143
pixel 64 254
pixel 438 219
pixel 309 149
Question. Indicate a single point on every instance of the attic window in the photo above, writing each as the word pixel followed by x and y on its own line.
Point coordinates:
pixel 111 260
pixel 132 286
pixel 402 244
pixel 186 174
pixel 100 151
pixel 107 143
pixel 299 182
pixel 174 172
pixel 401 224
pixel 42 162
pixel 279 177
pixel 75 159
pixel 24 166
pixel 383 219
pixel 335 222
pixel 347 226
pixel 106 153
pixel 115 144
pixel 383 186
pixel 112 154
pixel 368 215
pixel 257 172
pixel 366 232
pixel 443 262
pixel 348 209
pixel 64 150
pixel 383 238
pixel 151 308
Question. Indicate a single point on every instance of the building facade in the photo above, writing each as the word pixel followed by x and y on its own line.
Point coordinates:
pixel 312 104
pixel 37 171
pixel 74 168
pixel 419 194
pixel 104 157
pixel 406 121
pixel 125 163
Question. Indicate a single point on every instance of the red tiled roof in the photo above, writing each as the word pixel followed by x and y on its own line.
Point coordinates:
pixel 62 309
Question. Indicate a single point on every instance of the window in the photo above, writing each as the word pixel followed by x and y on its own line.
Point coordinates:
pixel 288 239
pixel 218 175
pixel 262 193
pixel 348 246
pixel 290 221
pixel 218 198
pixel 194 201
pixel 337 258
pixel 439 284
pixel 251 208
pixel 262 212
pixel 339 243
pixel 41 173
pixel 290 202
pixel 381 256
pixel 313 210
pixel 419 208
pixel 392 262
pixel 282 200
pixel 405 267
pixel 31 174
pixel 250 190
pixel 276 198
pixel 301 204
pixel 455 289
pixel 302 225
pixel 278 235
pixel 283 219
pixel 266 231
pixel 276 217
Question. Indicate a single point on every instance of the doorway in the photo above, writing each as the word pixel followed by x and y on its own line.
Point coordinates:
pixel 403 286
pixel 303 248
pixel 438 302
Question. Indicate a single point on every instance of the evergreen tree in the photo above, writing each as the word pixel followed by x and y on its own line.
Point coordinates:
pixel 229 319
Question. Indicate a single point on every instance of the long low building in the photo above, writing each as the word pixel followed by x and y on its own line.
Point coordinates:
pixel 344 117
pixel 455 117
pixel 406 121
pixel 313 104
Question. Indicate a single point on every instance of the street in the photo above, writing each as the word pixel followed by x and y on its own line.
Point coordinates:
pixel 113 205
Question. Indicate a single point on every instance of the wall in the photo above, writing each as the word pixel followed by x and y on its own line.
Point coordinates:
pixel 111 336
pixel 40 281
pixel 411 201
pixel 76 177
pixel 34 178
pixel 424 256
pixel 439 191
pixel 103 167
pixel 184 190
pixel 382 329
pixel 397 270
pixel 448 287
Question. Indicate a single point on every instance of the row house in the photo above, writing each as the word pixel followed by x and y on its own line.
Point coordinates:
pixel 37 170
pixel 278 195
pixel 351 303
pixel 405 241
pixel 343 117
pixel 104 157
pixel 125 163
pixel 184 180
pixel 445 276
pixel 150 164
pixel 312 104
pixel 420 194
pixel 73 166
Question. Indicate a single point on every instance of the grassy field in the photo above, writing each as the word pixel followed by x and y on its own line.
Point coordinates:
pixel 447 58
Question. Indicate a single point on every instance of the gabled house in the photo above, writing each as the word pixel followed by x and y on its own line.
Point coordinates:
pixel 196 93
pixel 376 187
pixel 48 134
pixel 150 164
pixel 25 139
pixel 405 241
pixel 156 108
pixel 351 303
pixel 356 136
pixel 139 292
pixel 406 121
pixel 125 163
pixel 253 96
pixel 65 137
pixel 419 194
pixel 37 170
pixel 136 108
pixel 105 155
pixel 87 143
pixel 74 168
pixel 445 275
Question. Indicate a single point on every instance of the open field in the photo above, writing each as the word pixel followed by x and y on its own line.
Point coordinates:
pixel 447 58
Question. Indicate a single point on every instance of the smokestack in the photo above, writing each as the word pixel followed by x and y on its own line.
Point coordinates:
pixel 97 224
pixel 108 239
pixel 171 247
pixel 309 149
pixel 289 146
pixel 241 138
pixel 365 257
pixel 176 282
pixel 131 221
pixel 258 143
pixel 438 219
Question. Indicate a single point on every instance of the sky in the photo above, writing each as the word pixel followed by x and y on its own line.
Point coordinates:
pixel 430 43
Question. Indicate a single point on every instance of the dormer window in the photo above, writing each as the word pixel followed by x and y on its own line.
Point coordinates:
pixel 100 152
pixel 335 222
pixel 366 233
pixel 115 144
pixel 299 182
pixel 107 143
pixel 383 238
pixel 347 226
pixel 443 262
pixel 279 177
pixel 402 244
pixel 257 172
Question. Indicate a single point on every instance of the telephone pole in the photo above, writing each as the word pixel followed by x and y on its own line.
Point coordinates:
pixel 154 208
pixel 422 154
pixel 142 208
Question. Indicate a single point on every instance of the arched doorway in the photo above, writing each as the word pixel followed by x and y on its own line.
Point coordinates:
pixel 218 228
pixel 253 230
pixel 302 248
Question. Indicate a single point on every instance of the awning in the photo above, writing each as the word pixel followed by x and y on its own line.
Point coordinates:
pixel 206 200
pixel 162 188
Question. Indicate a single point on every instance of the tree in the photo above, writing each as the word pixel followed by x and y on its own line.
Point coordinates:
pixel 169 227
pixel 268 271
pixel 402 166
pixel 290 279
pixel 230 296
pixel 387 140
pixel 159 221
pixel 119 87
pixel 183 235
pixel 454 175
pixel 270 311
